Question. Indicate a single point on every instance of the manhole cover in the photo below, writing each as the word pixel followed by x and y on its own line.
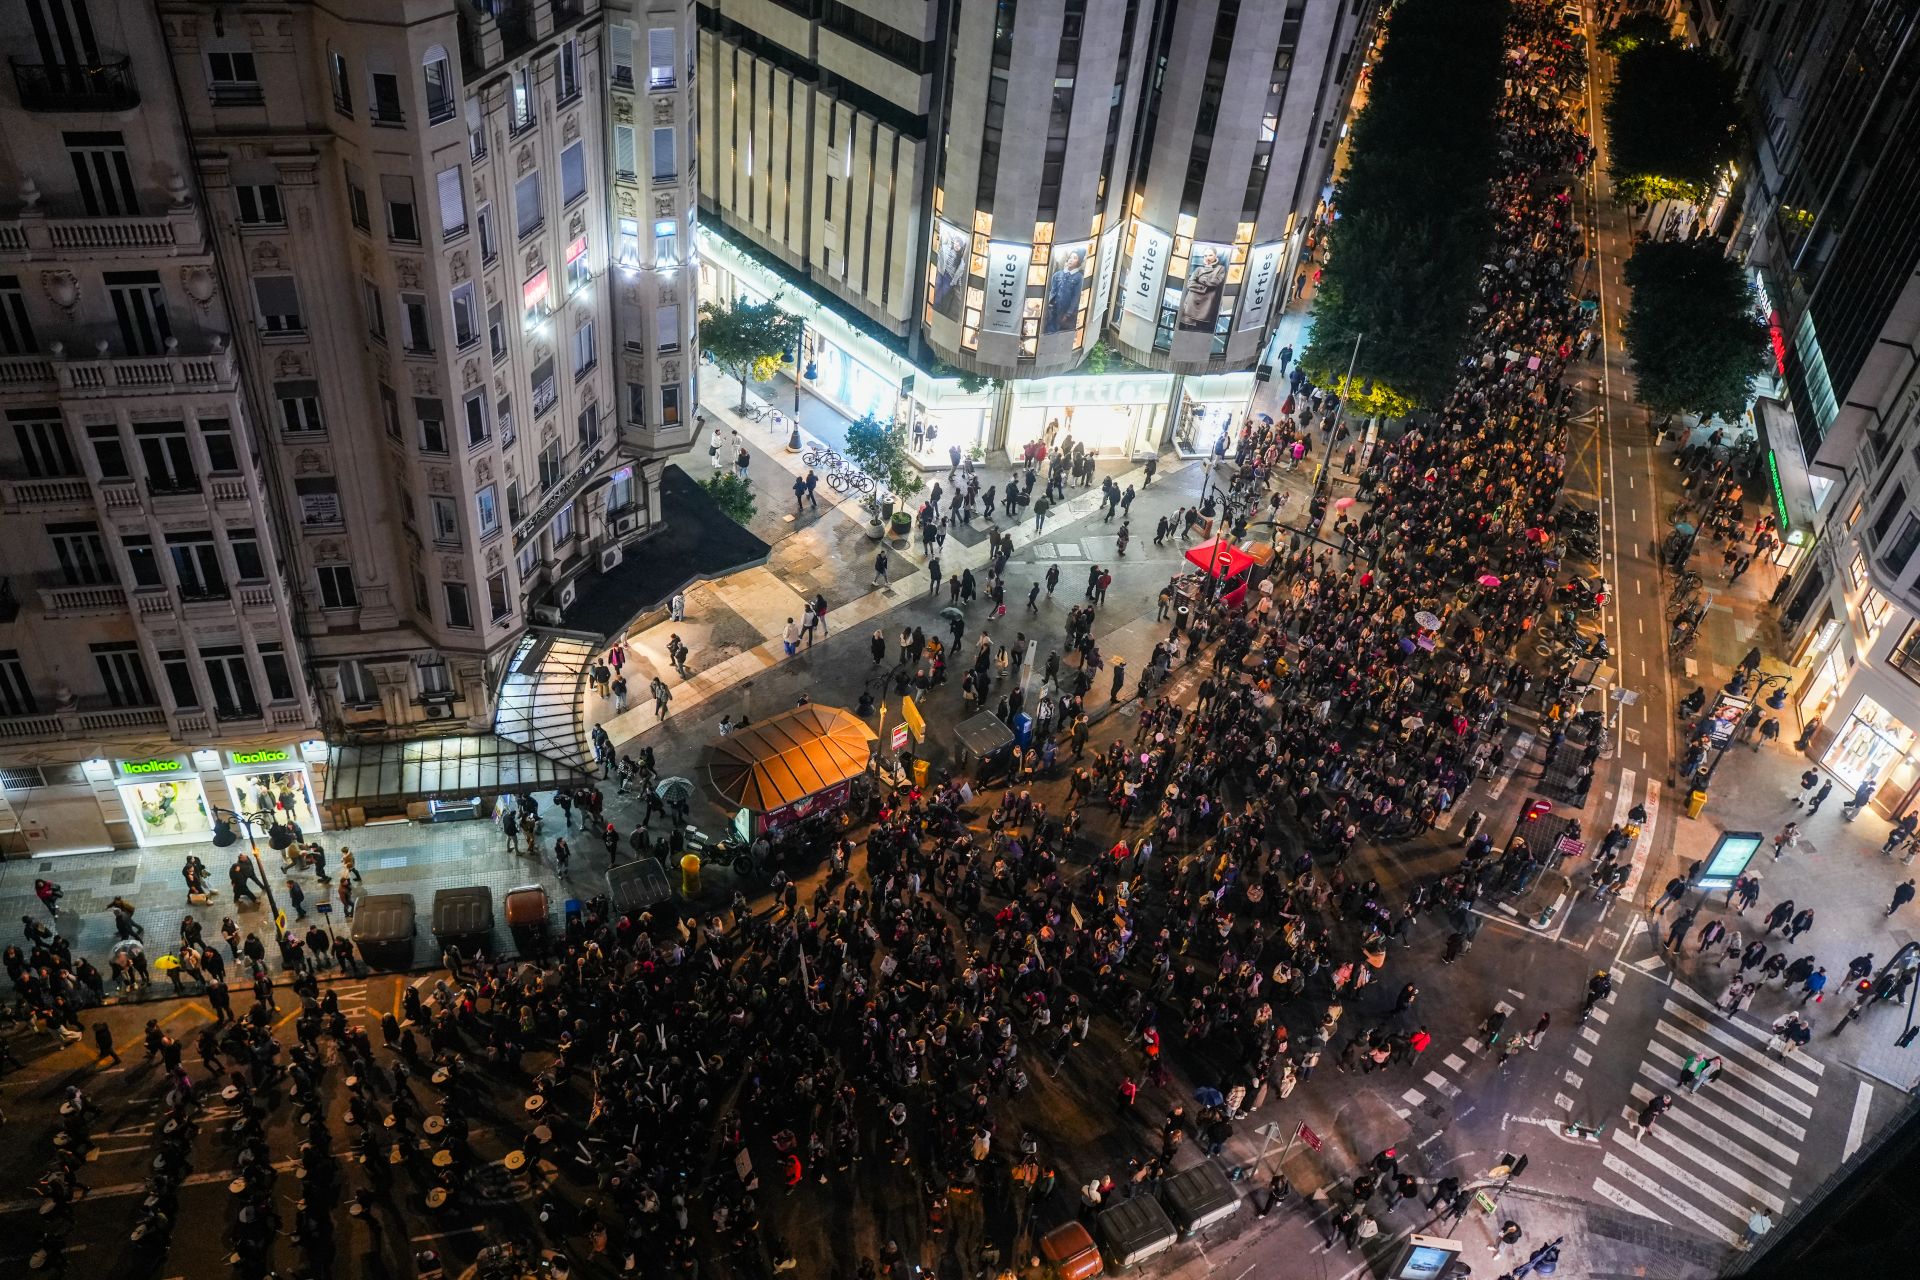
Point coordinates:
pixel 125 875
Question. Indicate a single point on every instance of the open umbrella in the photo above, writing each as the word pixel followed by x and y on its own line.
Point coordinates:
pixel 1427 620
pixel 1684 529
pixel 674 790
pixel 953 614
pixel 1341 504
pixel 1208 1096
pixel 1489 580
pixel 167 963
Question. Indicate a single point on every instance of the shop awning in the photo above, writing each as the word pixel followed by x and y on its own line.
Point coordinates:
pixel 790 757
pixel 1220 557
pixel 482 764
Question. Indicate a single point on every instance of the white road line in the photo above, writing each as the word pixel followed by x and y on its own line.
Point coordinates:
pixel 1600 1015
pixel 1767 1163
pixel 1693 1217
pixel 1685 1177
pixel 1590 1034
pixel 1454 1062
pixel 1626 1201
pixel 1752 1032
pixel 1573 1078
pixel 1414 1096
pixel 1857 1127
pixel 1582 1057
pixel 1445 1089
pixel 1728 1079
pixel 1757 1194
pixel 1760 1057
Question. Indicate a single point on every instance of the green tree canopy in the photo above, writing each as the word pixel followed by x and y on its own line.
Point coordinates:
pixel 1693 330
pixel 879 450
pixel 1674 121
pixel 1634 30
pixel 748 339
pixel 1413 226
pixel 732 494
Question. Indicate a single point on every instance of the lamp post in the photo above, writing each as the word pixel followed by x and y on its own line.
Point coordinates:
pixel 1339 416
pixel 223 827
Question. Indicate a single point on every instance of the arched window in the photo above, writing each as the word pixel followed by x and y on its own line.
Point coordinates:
pixel 437 73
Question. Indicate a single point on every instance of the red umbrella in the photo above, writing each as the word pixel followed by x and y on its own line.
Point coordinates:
pixel 1341 504
pixel 1488 580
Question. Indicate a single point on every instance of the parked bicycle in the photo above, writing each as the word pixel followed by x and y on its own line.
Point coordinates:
pixel 821 456
pixel 847 480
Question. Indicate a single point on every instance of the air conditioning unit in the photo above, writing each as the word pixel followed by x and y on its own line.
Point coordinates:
pixel 624 525
pixel 610 557
pixel 566 594
pixel 438 711
pixel 545 615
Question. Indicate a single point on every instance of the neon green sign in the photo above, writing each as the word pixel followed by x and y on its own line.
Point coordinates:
pixel 148 766
pixel 258 757
pixel 1779 493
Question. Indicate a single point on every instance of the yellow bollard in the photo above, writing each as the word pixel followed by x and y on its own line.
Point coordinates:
pixel 690 876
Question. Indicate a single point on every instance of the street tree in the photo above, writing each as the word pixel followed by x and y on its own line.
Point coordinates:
pixel 1674 121
pixel 749 340
pixel 732 494
pixel 879 450
pixel 1693 329
pixel 1413 228
pixel 1635 30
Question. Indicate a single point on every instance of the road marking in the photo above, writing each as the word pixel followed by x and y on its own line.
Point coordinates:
pixel 1712 1135
pixel 1746 1050
pixel 1600 1015
pixel 1685 1177
pixel 1574 1079
pixel 1563 1102
pixel 1590 1035
pixel 1440 1084
pixel 1582 1057
pixel 1857 1127
pixel 1626 1201
pixel 1454 1062
pixel 1413 1096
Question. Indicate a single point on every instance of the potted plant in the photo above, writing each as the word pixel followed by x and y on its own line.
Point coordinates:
pixel 878 450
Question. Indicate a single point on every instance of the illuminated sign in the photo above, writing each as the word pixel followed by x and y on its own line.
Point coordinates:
pixel 1779 493
pixel 269 756
pixel 1006 286
pixel 1779 340
pixel 138 767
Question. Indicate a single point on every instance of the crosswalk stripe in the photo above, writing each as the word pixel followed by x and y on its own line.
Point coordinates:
pixel 1759 1036
pixel 1454 1062
pixel 1704 1132
pixel 1734 1070
pixel 1781 1067
pixel 1738 1181
pixel 1737 1123
pixel 1692 1216
pixel 1685 1177
pixel 1413 1097
pixel 1731 1077
pixel 1599 1015
pixel 1626 1201
pixel 1435 1079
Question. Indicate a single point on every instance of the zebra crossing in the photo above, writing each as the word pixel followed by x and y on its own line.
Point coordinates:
pixel 1718 1154
pixel 1447 1078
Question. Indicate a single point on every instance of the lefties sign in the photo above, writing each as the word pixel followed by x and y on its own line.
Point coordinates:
pixel 1006 286
pixel 1256 295
pixel 1147 270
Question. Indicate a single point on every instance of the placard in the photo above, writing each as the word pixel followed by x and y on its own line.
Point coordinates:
pixel 1147 269
pixel 1006 286
pixel 1206 285
pixel 1256 291
pixel 950 252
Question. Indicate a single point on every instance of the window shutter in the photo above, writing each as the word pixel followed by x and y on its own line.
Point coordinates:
pixel 526 200
pixel 453 202
pixel 623 152
pixel 277 295
pixel 663 157
pixel 666 328
pixel 660 55
pixel 622 52
pixel 396 188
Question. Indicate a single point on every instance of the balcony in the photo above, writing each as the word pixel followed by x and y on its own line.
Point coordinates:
pixel 37 234
pixel 106 85
pixel 79 722
pixel 58 491
pixel 104 377
pixel 83 601
pixel 496 31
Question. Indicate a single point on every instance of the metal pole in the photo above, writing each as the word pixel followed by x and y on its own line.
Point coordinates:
pixel 799 363
pixel 253 847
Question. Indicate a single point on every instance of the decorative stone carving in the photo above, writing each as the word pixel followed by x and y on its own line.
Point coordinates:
pixel 663 206
pixel 523 162
pixel 495 561
pixel 499 385
pixel 570 127
pixel 663 111
pixel 327 551
pixel 453 569
pixel 407 270
pixel 437 480
pixel 469 375
pixel 492 296
pixel 62 288
pixel 266 256
pixel 548 430
pixel 423 384
pixel 541 351
pixel 577 222
pixel 669 295
pixel 623 110
pixel 534 258
pixel 457 265
pixel 308 462
pixel 630 293
pixel 200 283
pixel 582 317
pixel 291 364
pixel 669 370
pixel 483 473
pixel 625 200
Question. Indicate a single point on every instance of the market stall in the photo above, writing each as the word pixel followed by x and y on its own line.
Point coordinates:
pixel 793 766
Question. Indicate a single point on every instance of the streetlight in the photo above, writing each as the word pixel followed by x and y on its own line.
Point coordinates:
pixel 278 836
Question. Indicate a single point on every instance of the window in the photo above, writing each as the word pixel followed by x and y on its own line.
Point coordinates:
pixel 433 430
pixel 1883 523
pixel 660 59
pixel 503 416
pixel 216 435
pixel 476 416
pixel 16 699
pixel 514 511
pixel 522 113
pixel 232 79
pixel 299 405
pixel 105 175
pixel 459 607
pixel 273 662
pixel 466 316
pixel 666 243
pixel 497 330
pixel 403 223
pixel 431 674
pixel 486 506
pixel 625 162
pixel 552 464
pixel 179 674
pixel 16 327
pixel 577 273
pixel 1857 570
pixel 82 554
pixel 1896 555
pixel 489 246
pixel 670 406
pixel 415 331
pixel 629 249
pixel 141 310
pixel 342 84
pixel 446 521
pixel 357 685
pixel 566 72
pixel 544 394
pixel 165 457
pixel 453 203
pixel 122 675
pixel 196 566
pixel 664 167
pixel 536 297
pixel 279 301
pixel 319 500
pixel 622 491
pixel 259 205
pixel 527 216
pixel 357 200
pixel 390 410
pixel 589 426
pixel 666 328
pixel 585 354
pixel 247 563
pixel 143 561
pixel 637 403
pixel 230 682
pixel 42 439
pixel 109 453
pixel 499 600
pixel 573 173
pixel 621 55
pixel 375 309
pixel 561 530
pixel 385 90
pixel 336 587
pixel 436 76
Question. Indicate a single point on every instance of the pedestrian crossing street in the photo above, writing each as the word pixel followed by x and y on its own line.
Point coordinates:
pixel 1446 1078
pixel 1718 1154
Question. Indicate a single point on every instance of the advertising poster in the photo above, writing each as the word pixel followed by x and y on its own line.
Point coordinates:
pixel 1206 285
pixel 1006 286
pixel 1147 270
pixel 1256 291
pixel 949 268
pixel 1066 281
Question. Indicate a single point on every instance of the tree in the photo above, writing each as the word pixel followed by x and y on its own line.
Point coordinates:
pixel 879 450
pixel 749 340
pixel 733 495
pixel 1674 121
pixel 1694 330
pixel 1414 224
pixel 1634 30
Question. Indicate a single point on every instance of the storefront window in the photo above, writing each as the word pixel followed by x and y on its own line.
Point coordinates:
pixel 167 810
pixel 1871 743
pixel 280 792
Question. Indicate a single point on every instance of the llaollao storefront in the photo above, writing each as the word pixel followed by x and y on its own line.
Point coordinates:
pixel 170 799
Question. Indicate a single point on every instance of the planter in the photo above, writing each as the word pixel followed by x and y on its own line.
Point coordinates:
pixel 876 529
pixel 901 523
